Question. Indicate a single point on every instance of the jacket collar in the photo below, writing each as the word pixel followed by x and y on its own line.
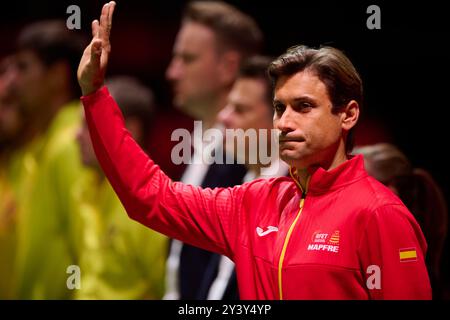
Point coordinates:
pixel 323 181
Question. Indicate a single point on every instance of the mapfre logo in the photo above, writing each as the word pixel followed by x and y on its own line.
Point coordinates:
pixel 322 241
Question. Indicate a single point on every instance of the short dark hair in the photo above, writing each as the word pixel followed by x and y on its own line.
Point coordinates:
pixel 134 99
pixel 234 29
pixel 333 68
pixel 256 67
pixel 51 41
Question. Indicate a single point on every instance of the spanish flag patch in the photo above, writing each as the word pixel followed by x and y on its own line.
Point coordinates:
pixel 407 254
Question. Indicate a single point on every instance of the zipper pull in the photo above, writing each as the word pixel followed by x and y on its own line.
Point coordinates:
pixel 302 200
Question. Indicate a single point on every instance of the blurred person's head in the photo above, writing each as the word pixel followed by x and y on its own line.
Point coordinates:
pixel 417 189
pixel 47 59
pixel 317 95
pixel 213 39
pixel 10 116
pixel 250 103
pixel 136 102
pixel 385 162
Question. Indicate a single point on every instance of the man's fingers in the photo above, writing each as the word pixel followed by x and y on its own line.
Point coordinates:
pixel 106 24
pixel 111 6
pixel 96 51
pixel 95 29
pixel 95 58
pixel 103 21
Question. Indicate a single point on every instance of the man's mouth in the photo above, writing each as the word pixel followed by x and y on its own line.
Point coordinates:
pixel 294 139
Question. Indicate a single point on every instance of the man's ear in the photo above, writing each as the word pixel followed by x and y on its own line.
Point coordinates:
pixel 229 66
pixel 350 115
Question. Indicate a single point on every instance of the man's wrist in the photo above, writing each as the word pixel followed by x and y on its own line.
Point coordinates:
pixel 93 97
pixel 85 91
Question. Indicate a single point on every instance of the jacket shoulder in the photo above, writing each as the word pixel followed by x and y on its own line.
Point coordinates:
pixel 372 197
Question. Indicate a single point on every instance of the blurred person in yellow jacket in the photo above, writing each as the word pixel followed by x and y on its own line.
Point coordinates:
pixel 120 259
pixel 10 128
pixel 46 160
pixel 10 117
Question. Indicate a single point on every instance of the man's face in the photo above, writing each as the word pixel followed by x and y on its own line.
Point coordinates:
pixel 310 132
pixel 10 121
pixel 88 157
pixel 247 108
pixel 194 71
pixel 29 85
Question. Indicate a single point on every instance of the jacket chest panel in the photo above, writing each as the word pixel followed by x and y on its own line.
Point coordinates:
pixel 325 234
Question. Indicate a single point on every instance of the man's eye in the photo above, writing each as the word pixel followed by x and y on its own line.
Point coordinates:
pixel 239 110
pixel 305 106
pixel 279 108
pixel 188 58
pixel 21 66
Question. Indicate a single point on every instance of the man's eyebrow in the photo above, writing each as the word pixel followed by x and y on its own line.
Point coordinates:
pixel 296 100
pixel 304 99
pixel 276 101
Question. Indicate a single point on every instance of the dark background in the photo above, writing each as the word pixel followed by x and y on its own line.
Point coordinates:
pixel 404 65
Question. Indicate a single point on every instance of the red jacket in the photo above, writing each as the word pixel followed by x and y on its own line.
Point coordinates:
pixel 350 238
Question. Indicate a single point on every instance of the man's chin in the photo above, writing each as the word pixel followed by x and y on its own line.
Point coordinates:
pixel 293 159
pixel 287 158
pixel 188 108
pixel 178 102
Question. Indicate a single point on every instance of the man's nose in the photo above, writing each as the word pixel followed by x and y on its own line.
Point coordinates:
pixel 12 80
pixel 285 122
pixel 174 70
pixel 224 116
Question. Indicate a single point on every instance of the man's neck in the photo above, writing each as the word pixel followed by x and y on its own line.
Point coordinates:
pixel 213 108
pixel 39 123
pixel 303 176
pixel 340 156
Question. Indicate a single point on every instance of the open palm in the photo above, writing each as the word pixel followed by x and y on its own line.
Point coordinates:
pixel 92 68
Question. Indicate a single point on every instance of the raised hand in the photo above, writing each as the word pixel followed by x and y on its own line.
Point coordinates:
pixel 92 68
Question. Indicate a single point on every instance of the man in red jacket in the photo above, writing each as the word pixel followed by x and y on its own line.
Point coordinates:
pixel 328 232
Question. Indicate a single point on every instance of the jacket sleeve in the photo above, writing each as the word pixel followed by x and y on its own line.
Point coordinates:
pixel 201 217
pixel 392 254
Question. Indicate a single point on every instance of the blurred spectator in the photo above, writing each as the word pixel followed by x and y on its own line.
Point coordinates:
pixel 10 117
pixel 213 40
pixel 10 127
pixel 420 193
pixel 120 259
pixel 250 109
pixel 48 164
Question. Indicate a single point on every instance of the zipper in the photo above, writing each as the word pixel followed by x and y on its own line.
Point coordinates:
pixel 288 236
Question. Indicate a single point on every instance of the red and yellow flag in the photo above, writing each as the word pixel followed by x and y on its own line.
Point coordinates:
pixel 407 254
